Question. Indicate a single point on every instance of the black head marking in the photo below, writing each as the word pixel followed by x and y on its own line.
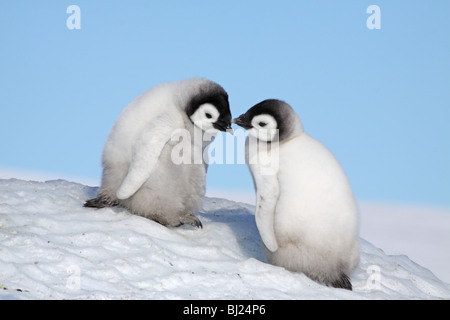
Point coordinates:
pixel 280 110
pixel 214 94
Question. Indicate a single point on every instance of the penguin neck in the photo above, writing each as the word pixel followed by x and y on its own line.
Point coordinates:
pixel 295 128
pixel 198 137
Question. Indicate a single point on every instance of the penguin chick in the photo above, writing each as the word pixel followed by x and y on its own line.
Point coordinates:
pixel 142 170
pixel 305 210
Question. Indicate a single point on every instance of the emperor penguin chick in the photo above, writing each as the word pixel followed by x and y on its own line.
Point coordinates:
pixel 305 209
pixel 153 158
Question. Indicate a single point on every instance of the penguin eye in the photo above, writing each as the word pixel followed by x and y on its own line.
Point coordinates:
pixel 208 115
pixel 262 124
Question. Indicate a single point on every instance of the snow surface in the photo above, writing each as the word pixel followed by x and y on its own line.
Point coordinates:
pixel 420 232
pixel 53 248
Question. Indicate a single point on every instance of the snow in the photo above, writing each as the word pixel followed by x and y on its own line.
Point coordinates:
pixel 53 248
pixel 421 232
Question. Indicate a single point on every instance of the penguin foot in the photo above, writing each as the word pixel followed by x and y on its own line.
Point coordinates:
pixel 101 202
pixel 191 219
pixel 343 282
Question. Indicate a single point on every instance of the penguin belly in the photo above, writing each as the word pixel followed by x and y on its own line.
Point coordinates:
pixel 172 191
pixel 315 221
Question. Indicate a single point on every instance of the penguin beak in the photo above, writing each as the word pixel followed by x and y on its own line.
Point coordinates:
pixel 223 126
pixel 242 122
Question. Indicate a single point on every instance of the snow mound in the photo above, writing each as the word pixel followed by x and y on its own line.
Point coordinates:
pixel 53 248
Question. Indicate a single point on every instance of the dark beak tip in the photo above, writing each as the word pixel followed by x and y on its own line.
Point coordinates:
pixel 222 127
pixel 239 122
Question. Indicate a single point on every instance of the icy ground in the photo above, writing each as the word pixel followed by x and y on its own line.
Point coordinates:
pixel 53 248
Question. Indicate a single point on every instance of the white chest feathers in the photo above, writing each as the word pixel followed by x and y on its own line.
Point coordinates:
pixel 302 193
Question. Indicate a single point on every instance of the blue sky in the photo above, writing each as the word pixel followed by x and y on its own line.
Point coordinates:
pixel 379 99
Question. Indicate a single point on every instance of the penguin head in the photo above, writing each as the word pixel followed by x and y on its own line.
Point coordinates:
pixel 209 109
pixel 270 120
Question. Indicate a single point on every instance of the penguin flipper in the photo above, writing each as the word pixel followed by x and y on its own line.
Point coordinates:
pixel 146 153
pixel 267 193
